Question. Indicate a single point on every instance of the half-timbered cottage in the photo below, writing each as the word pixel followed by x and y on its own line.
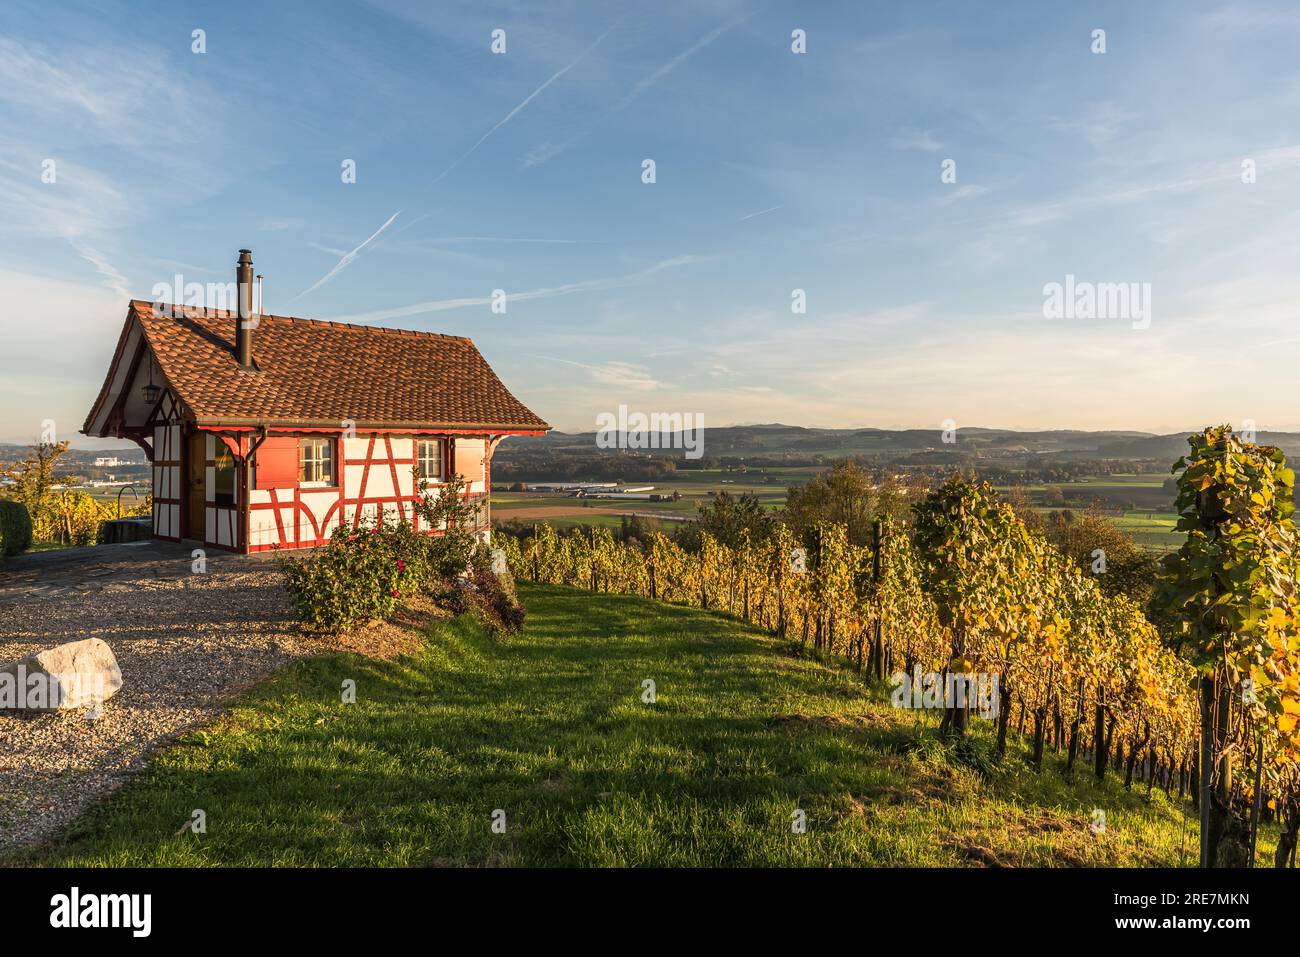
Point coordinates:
pixel 269 431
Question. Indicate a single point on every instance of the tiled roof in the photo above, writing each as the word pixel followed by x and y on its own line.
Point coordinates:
pixel 311 372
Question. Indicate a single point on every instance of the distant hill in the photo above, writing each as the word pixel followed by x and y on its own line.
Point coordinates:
pixel 775 439
pixel 1174 446
pixel 82 461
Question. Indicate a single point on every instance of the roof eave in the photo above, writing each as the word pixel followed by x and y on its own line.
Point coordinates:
pixel 335 425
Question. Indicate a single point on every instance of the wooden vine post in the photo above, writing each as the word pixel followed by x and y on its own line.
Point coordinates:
pixel 876 663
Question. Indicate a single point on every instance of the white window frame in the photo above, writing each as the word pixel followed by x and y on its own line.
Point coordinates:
pixel 439 458
pixel 311 461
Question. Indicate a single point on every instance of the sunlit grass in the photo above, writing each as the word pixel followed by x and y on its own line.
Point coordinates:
pixel 551 729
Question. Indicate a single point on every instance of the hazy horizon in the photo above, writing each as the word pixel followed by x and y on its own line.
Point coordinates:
pixel 93 444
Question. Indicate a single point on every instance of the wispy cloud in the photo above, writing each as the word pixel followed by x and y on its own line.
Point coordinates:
pixel 1200 176
pixel 79 202
pixel 328 249
pixel 626 375
pixel 967 191
pixel 346 259
pixel 522 103
pixel 95 110
pixel 546 152
pixel 549 292
pixel 1099 125
pixel 106 96
pixel 1251 16
pixel 114 280
pixel 910 139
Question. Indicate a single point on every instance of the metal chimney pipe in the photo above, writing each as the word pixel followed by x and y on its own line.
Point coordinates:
pixel 244 321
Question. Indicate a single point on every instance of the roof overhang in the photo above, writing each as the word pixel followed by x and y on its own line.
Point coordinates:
pixel 119 411
pixel 336 425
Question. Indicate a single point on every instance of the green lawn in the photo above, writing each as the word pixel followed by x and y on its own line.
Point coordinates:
pixel 550 728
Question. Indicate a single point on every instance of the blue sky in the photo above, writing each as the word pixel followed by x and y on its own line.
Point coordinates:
pixel 775 171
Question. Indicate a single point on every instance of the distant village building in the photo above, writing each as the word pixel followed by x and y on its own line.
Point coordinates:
pixel 272 432
pixel 590 489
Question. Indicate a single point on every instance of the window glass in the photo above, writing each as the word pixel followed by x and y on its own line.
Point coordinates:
pixel 429 457
pixel 316 461
pixel 223 476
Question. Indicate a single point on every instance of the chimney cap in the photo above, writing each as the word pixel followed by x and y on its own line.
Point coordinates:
pixel 245 255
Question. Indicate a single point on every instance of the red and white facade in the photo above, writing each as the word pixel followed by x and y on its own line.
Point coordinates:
pixel 269 506
pixel 377 483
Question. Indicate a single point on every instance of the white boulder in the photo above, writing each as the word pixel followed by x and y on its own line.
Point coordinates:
pixel 78 674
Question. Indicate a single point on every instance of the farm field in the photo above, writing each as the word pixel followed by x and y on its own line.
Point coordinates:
pixel 566 511
pixel 550 730
pixel 1137 503
pixel 1151 529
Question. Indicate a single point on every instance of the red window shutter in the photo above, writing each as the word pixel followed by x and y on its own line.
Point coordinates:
pixel 277 462
pixel 469 462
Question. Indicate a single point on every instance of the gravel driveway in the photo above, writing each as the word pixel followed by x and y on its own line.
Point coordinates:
pixel 186 642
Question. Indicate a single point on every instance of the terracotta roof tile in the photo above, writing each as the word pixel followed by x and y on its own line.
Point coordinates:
pixel 310 371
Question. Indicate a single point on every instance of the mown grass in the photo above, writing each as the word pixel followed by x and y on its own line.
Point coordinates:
pixel 551 728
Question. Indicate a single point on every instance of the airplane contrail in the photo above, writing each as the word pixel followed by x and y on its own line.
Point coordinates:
pixel 528 99
pixel 346 259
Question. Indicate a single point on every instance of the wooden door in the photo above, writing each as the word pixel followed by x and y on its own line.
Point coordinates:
pixel 195 489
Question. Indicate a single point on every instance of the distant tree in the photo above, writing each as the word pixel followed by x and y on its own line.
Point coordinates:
pixel 1079 534
pixel 848 496
pixel 33 478
pixel 519 487
pixel 726 516
pixel 634 529
pixel 1088 537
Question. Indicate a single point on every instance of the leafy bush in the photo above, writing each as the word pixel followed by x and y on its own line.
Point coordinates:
pixel 361 575
pixel 365 573
pixel 490 594
pixel 494 594
pixel 499 604
pixel 15 527
pixel 451 597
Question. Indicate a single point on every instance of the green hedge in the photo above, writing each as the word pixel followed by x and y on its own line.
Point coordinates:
pixel 15 527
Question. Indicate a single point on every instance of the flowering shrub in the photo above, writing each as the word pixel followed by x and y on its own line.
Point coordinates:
pixel 365 572
pixel 362 574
